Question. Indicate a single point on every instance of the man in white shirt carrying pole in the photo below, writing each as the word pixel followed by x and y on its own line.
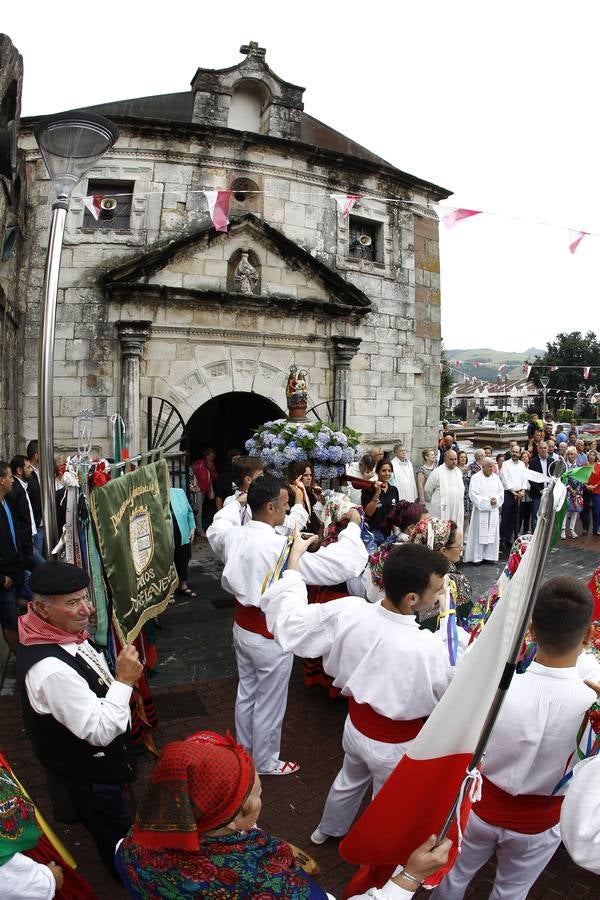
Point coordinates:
pixel 75 712
pixel 254 556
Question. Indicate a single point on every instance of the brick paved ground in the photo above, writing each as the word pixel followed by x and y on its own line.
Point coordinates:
pixel 196 688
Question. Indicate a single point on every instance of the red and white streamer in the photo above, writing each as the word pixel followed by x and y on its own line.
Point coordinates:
pixel 218 208
pixel 453 218
pixel 93 204
pixel 575 238
pixel 346 202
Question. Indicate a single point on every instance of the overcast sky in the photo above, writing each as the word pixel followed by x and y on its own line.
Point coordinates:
pixel 495 101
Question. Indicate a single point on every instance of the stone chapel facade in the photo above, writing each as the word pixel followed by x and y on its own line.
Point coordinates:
pixel 152 302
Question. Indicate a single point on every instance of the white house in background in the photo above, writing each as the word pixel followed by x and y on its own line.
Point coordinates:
pixel 507 397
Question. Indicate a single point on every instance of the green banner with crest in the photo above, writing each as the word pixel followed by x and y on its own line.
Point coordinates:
pixel 135 539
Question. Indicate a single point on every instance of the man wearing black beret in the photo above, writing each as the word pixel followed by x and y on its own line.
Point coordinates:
pixel 76 712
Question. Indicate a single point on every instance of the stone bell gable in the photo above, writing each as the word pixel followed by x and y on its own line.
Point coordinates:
pixel 205 270
pixel 249 96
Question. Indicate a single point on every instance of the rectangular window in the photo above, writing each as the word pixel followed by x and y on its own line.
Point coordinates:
pixel 115 212
pixel 365 239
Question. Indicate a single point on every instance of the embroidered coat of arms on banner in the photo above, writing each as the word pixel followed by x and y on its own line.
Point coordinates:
pixel 135 538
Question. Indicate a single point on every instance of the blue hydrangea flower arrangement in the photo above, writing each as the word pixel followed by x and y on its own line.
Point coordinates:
pixel 327 447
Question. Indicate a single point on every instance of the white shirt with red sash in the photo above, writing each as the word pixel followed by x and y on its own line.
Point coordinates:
pixel 392 672
pixel 525 760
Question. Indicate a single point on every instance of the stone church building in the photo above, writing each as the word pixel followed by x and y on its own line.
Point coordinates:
pixel 156 320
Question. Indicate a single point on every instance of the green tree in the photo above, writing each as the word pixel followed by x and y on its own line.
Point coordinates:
pixel 446 381
pixel 572 349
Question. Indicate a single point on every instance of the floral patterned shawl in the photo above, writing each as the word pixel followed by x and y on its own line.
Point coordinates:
pixel 235 867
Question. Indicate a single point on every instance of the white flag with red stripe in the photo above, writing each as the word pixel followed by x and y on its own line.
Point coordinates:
pixel 575 238
pixel 93 204
pixel 218 208
pixel 457 215
pixel 416 798
pixel 346 202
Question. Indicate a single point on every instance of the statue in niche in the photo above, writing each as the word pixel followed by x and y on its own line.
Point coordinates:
pixel 296 392
pixel 246 276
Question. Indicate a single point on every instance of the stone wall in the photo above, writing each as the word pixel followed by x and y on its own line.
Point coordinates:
pixel 394 379
pixel 11 229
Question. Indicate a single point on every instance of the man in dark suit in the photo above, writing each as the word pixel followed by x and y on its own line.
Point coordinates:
pixel 35 495
pixel 540 463
pixel 12 566
pixel 22 510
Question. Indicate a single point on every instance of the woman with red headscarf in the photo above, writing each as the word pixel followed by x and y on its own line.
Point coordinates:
pixel 196 835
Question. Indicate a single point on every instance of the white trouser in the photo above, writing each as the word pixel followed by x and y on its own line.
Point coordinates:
pixel 264 672
pixel 521 858
pixel 366 762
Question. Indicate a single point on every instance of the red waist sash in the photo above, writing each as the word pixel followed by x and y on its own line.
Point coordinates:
pixel 251 618
pixel 379 728
pixel 525 813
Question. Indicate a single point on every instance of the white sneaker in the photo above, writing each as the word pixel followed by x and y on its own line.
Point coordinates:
pixel 318 837
pixel 283 768
pixel 563 536
pixel 573 534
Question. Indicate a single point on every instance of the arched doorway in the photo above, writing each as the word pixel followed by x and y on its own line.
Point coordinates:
pixel 227 421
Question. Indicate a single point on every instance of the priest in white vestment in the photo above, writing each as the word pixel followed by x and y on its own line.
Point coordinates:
pixel 486 493
pixel 445 491
pixel 404 475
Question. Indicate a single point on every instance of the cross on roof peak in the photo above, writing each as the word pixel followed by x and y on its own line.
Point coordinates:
pixel 252 49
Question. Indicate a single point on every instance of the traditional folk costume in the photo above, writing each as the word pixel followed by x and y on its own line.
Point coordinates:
pixel 76 715
pixel 392 673
pixel 483 541
pixel 254 555
pixel 445 495
pixel 25 851
pixel 580 815
pixel 199 786
pixel 435 534
pixel 404 479
pixel 517 816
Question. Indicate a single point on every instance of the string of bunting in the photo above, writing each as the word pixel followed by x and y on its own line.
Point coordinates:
pixel 526 368
pixel 218 202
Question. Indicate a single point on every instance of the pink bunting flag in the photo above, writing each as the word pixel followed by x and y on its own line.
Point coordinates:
pixel 457 363
pixel 218 207
pixel 453 218
pixel 527 370
pixel 346 202
pixel 501 369
pixel 575 238
pixel 93 204
pixel 554 368
pixel 476 364
pixel 586 372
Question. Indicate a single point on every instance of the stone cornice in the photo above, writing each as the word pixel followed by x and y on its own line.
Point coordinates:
pixel 177 332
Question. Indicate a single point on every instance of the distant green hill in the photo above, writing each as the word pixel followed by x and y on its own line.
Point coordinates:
pixel 490 361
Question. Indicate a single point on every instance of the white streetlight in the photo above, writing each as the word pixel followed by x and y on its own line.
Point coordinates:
pixel 70 143
pixel 544 380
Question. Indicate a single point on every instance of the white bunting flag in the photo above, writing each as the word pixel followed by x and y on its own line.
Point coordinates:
pixel 346 202
pixel 586 372
pixel 93 204
pixel 575 238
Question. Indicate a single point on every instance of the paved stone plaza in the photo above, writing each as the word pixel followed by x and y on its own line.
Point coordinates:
pixel 195 689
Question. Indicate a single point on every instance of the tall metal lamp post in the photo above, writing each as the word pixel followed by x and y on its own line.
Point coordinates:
pixel 70 143
pixel 544 380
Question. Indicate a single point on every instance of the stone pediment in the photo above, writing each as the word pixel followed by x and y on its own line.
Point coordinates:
pixel 209 266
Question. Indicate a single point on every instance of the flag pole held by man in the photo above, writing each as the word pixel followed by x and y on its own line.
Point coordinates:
pixel 442 759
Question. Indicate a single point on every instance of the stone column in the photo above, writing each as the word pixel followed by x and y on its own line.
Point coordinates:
pixel 132 336
pixel 344 351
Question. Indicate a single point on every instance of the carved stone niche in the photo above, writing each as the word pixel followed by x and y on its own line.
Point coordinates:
pixel 244 273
